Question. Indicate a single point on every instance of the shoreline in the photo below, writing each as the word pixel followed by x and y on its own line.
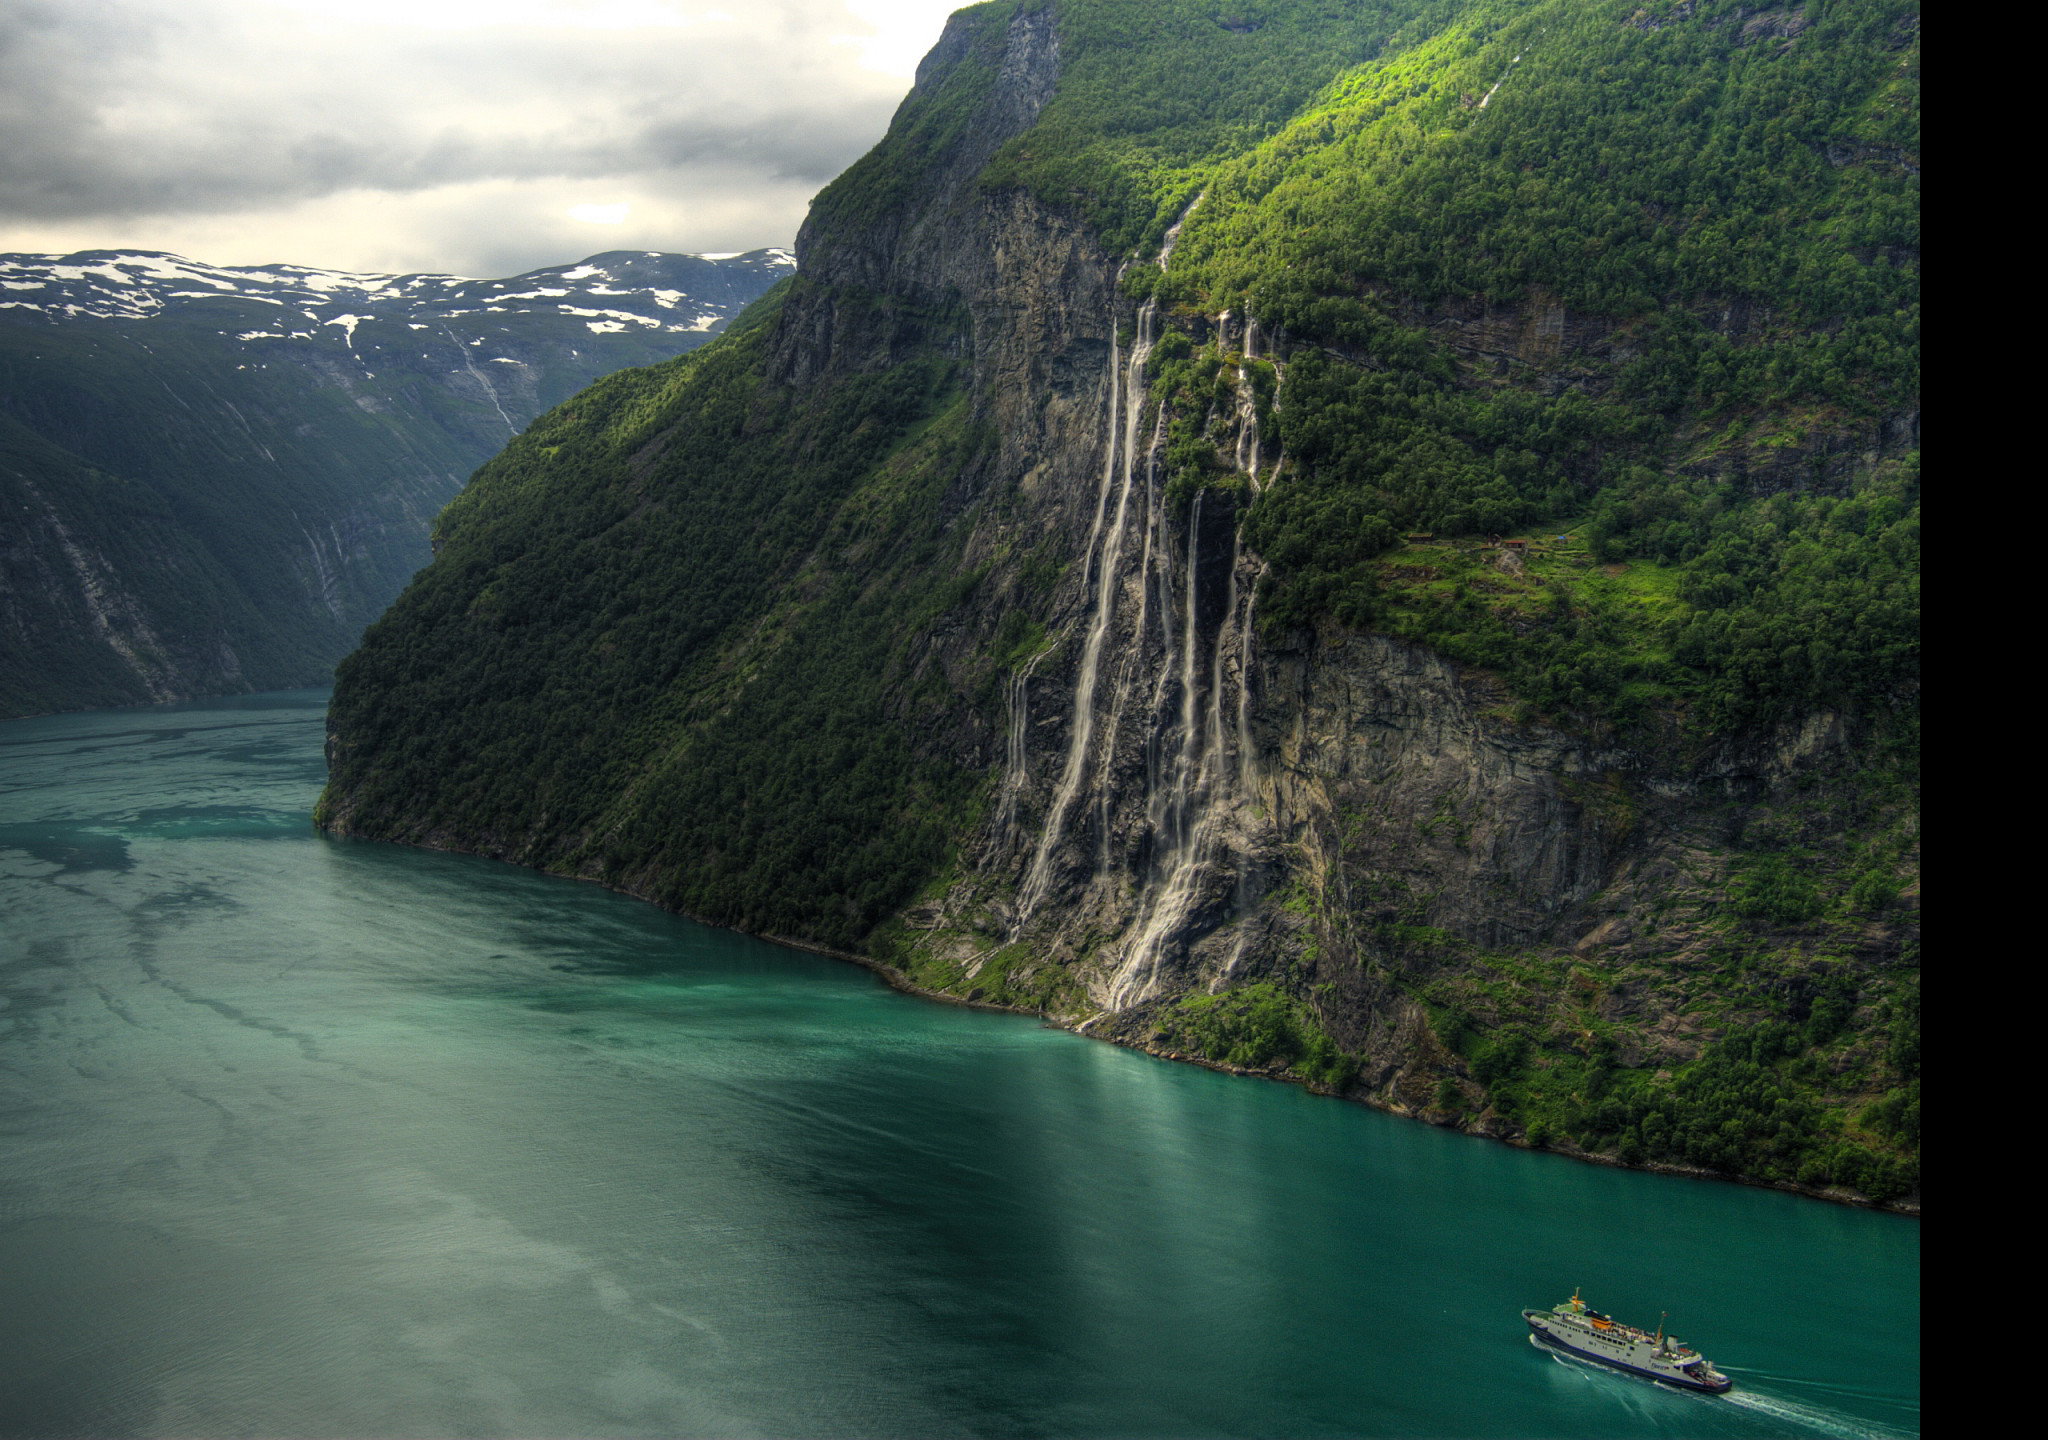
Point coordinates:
pixel 896 980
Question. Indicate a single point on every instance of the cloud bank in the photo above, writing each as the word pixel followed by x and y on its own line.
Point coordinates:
pixel 474 136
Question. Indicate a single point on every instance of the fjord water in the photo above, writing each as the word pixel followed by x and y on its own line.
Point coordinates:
pixel 306 1137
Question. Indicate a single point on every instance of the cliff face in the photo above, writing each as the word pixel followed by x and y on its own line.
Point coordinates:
pixel 1049 756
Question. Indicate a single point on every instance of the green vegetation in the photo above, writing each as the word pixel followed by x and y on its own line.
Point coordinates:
pixel 1762 1102
pixel 1012 975
pixel 1749 611
pixel 1258 1026
pixel 673 617
pixel 1636 288
pixel 879 188
pixel 241 509
pixel 1153 96
pixel 1613 164
pixel 1815 1075
pixel 194 489
pixel 1734 196
pixel 1625 171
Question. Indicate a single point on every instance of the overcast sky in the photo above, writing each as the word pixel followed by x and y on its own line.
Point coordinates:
pixel 477 137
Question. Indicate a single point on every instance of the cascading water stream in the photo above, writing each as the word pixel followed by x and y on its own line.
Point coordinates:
pixel 1126 396
pixel 1201 789
pixel 1246 452
pixel 1126 410
pixel 1173 679
pixel 1015 758
pixel 1174 826
pixel 1188 815
pixel 1105 792
pixel 1244 690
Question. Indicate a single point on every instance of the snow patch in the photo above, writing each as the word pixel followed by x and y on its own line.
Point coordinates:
pixel 647 320
pixel 348 325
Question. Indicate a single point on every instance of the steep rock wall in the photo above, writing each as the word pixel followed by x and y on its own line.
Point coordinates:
pixel 1175 806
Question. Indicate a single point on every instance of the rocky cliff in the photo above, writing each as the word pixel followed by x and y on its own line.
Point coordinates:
pixel 1013 703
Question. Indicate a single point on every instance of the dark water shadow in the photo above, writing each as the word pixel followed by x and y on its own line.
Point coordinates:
pixel 73 849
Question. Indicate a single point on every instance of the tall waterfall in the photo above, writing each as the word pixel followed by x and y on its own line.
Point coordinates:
pixel 1146 826
pixel 1127 400
pixel 1016 760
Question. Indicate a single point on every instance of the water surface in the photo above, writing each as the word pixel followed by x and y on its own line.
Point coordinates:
pixel 301 1137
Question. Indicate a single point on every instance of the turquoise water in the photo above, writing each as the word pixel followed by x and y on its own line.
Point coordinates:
pixel 302 1137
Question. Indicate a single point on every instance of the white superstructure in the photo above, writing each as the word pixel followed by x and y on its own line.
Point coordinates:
pixel 1574 1328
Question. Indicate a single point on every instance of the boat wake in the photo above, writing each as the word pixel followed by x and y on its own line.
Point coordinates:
pixel 1813 1417
pixel 1781 1412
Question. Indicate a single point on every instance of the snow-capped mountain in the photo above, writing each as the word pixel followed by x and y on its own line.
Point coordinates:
pixel 611 293
pixel 211 477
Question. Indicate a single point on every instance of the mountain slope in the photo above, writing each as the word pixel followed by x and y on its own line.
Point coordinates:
pixel 215 477
pixel 1378 544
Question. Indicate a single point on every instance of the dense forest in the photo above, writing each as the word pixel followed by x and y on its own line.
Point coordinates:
pixel 1573 344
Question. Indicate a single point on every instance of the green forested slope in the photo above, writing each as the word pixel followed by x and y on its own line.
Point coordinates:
pixel 199 502
pixel 1638 283
pixel 1658 174
pixel 626 608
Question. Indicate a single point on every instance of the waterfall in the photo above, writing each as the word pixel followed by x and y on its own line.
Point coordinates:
pixel 1127 396
pixel 1247 452
pixel 1105 554
pixel 1133 657
pixel 1194 798
pixel 1244 690
pixel 1150 666
pixel 1172 824
pixel 1187 820
pixel 1015 760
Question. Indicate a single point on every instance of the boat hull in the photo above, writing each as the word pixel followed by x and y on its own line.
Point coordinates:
pixel 1682 1381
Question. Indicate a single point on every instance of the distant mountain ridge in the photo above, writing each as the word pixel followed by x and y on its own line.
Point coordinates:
pixel 605 294
pixel 214 476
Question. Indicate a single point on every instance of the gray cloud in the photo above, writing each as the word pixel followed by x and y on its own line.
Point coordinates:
pixel 187 115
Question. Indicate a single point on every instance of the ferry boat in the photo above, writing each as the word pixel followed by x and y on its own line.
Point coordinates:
pixel 1577 1330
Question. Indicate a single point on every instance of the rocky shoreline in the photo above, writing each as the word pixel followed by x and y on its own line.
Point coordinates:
pixel 897 980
